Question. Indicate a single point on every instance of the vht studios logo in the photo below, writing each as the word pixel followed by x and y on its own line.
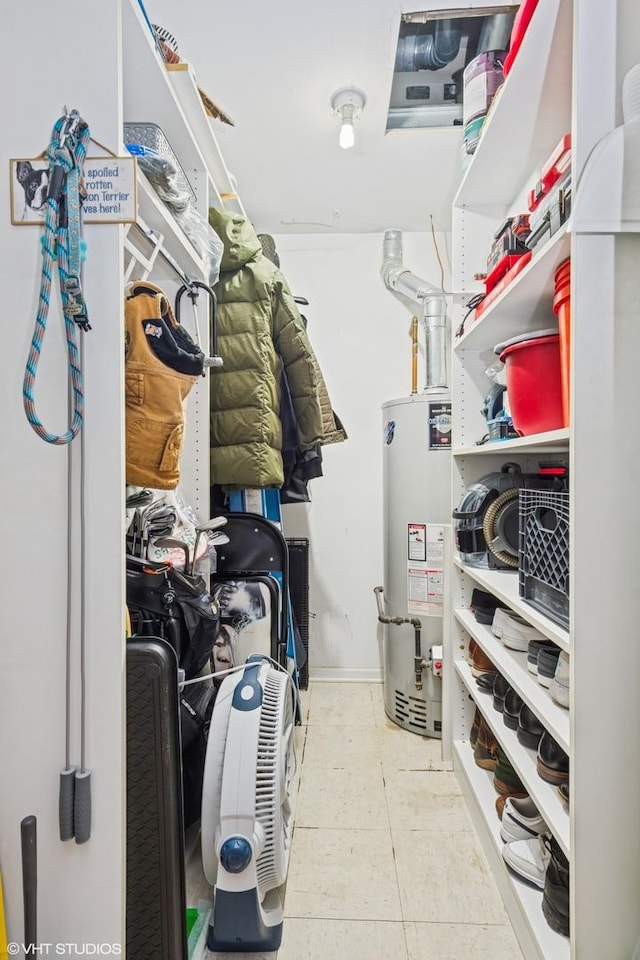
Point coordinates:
pixel 65 949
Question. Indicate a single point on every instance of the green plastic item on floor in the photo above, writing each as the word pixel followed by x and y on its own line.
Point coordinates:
pixel 192 916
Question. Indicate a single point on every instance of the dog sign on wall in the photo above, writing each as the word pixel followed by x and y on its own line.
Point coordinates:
pixel 109 185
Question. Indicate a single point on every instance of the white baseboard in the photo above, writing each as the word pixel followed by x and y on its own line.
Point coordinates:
pixel 345 675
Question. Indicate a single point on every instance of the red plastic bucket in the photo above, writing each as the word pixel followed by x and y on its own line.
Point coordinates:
pixel 534 389
pixel 562 307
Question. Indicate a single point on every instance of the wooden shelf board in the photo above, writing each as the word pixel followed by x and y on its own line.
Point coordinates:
pixel 555 441
pixel 512 664
pixel 526 304
pixel 480 795
pixel 503 584
pixel 544 795
pixel 518 135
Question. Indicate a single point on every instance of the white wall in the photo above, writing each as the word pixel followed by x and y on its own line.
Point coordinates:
pixel 361 336
pixel 81 888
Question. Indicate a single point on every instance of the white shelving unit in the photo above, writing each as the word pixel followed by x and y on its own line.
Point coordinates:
pixel 550 91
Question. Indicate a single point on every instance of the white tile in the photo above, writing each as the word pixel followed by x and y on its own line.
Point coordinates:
pixel 341 704
pixel 217 955
pixel 341 747
pixel 348 799
pixel 402 750
pixel 342 940
pixel 377 696
pixel 452 941
pixel 425 800
pixel 445 877
pixel 342 874
pixel 197 888
pixel 305 700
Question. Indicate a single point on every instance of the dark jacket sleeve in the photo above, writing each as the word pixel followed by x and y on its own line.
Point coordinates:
pixel 292 343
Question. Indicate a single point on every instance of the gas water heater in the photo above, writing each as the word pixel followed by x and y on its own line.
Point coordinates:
pixel 417 510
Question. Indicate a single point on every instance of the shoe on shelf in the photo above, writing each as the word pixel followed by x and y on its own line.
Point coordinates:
pixel 505 780
pixel 500 687
pixel 483 606
pixel 559 686
pixel 552 763
pixel 485 751
pixel 563 793
pixel 547 663
pixel 480 663
pixel 512 706
pixel 529 859
pixel 530 729
pixel 532 653
pixel 513 630
pixel 486 681
pixel 555 894
pixel 475 728
pixel 521 820
pixel 470 650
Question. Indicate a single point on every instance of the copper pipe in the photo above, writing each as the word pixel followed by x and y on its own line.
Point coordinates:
pixel 414 355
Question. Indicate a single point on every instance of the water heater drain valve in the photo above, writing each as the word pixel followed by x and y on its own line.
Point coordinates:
pixel 436 660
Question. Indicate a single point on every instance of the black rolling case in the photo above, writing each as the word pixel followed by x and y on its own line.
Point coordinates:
pixel 156 900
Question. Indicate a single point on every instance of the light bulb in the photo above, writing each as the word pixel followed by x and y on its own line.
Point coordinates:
pixel 347 138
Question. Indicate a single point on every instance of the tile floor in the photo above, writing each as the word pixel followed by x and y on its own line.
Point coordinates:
pixel 385 864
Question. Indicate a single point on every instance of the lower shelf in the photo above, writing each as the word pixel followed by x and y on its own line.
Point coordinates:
pixel 523 902
pixel 543 794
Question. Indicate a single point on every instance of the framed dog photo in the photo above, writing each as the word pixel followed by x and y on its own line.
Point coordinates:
pixel 29 181
pixel 110 190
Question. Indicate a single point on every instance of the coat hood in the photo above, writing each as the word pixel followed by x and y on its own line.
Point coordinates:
pixel 240 240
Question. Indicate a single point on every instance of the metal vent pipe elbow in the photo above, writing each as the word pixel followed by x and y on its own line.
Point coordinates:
pixel 410 289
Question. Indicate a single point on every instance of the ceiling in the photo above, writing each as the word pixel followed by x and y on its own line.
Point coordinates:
pixel 273 66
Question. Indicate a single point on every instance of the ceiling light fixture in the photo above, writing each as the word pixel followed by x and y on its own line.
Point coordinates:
pixel 347 105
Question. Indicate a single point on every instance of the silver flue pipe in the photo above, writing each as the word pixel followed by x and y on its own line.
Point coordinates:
pixel 409 290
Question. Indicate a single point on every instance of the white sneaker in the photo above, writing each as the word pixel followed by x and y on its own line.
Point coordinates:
pixel 529 859
pixel 559 686
pixel 521 820
pixel 513 630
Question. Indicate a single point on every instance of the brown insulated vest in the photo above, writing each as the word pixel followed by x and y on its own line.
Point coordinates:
pixel 155 392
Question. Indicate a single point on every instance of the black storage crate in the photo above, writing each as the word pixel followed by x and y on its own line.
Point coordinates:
pixel 544 552
pixel 299 594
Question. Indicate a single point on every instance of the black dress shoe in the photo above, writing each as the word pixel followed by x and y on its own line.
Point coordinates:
pixel 500 687
pixel 485 681
pixel 512 706
pixel 530 729
pixel 552 763
pixel 555 895
pixel 483 606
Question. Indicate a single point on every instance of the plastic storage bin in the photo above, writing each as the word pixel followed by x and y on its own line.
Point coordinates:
pixel 532 370
pixel 544 552
pixel 562 308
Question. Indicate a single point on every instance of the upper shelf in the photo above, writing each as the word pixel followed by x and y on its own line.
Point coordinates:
pixel 526 304
pixel 170 98
pixel 183 81
pixel 531 113
pixel 554 441
pixel 503 584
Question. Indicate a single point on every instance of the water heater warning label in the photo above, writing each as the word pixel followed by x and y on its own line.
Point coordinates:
pixel 439 426
pixel 425 569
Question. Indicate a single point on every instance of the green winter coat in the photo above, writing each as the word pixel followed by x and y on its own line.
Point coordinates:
pixel 257 320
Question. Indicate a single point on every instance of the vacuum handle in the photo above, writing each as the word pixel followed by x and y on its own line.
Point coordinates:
pixel 28 834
